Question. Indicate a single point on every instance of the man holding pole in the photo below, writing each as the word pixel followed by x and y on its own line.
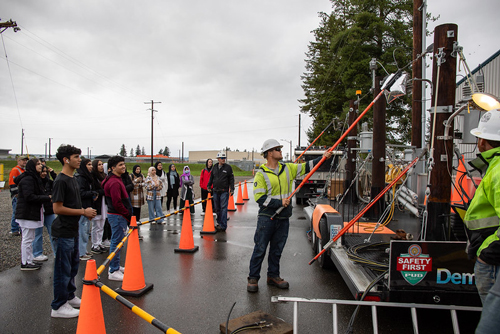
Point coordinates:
pixel 273 185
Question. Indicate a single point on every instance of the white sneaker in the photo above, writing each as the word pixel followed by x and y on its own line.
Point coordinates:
pixel 115 276
pixel 41 258
pixel 106 243
pixel 75 302
pixel 122 269
pixel 203 213
pixel 65 311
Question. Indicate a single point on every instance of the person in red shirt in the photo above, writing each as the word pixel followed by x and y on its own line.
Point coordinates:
pixel 205 176
pixel 15 172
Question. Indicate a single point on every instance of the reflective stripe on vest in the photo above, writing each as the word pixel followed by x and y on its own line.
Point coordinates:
pixel 482 223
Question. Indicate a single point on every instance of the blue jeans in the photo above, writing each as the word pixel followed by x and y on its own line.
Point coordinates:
pixel 273 233
pixel 490 321
pixel 118 227
pixel 38 242
pixel 83 231
pixel 65 269
pixel 220 208
pixel 154 208
pixel 14 226
pixel 486 276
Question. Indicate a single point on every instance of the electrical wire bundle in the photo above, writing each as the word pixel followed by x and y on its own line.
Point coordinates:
pixel 356 254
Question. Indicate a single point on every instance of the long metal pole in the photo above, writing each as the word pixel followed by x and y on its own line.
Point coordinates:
pixel 322 132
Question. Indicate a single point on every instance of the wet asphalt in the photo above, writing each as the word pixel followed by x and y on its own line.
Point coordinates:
pixel 194 292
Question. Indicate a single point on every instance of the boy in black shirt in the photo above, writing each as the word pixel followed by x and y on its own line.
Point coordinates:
pixel 68 206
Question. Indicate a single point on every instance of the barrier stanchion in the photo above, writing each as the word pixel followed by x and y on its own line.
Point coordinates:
pixel 91 318
pixel 186 244
pixel 239 200
pixel 134 283
pixel 245 192
pixel 208 223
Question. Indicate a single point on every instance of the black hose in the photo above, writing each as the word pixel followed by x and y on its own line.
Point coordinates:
pixel 228 316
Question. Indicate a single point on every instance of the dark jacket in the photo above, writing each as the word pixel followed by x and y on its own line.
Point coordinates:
pixel 221 179
pixel 87 192
pixel 127 182
pixel 117 197
pixel 47 185
pixel 31 194
pixel 173 189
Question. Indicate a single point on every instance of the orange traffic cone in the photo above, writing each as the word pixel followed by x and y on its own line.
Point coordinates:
pixel 239 200
pixel 230 203
pixel 91 318
pixel 133 278
pixel 208 223
pixel 186 244
pixel 245 192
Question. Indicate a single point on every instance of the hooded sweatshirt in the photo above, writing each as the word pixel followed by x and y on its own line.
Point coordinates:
pixel 116 196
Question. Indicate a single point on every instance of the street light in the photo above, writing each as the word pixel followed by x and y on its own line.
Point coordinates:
pixel 290 142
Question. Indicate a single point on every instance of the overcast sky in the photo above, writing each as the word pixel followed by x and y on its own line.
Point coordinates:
pixel 227 73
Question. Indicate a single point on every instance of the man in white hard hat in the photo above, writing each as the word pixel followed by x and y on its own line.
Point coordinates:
pixel 221 185
pixel 483 215
pixel 273 184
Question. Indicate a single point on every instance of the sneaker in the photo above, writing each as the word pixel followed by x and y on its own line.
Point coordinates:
pixel 85 257
pixel 106 243
pixel 122 269
pixel 97 250
pixel 115 276
pixel 253 285
pixel 65 311
pixel 141 237
pixel 220 229
pixel 15 234
pixel 278 282
pixel 30 266
pixel 41 258
pixel 203 213
pixel 103 249
pixel 75 302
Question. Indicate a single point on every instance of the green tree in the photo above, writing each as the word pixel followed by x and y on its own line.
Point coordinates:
pixel 143 151
pixel 337 63
pixel 160 152
pixel 131 152
pixel 123 151
pixel 137 150
pixel 166 151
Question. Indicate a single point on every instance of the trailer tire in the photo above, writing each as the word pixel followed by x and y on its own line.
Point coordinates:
pixel 324 260
pixel 314 238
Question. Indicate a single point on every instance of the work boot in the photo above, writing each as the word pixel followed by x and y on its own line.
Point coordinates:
pixel 278 282
pixel 253 285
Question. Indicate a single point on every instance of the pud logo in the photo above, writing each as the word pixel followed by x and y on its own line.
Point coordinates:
pixel 414 265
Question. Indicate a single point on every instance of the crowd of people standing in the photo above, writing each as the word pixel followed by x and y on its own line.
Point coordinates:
pixel 88 199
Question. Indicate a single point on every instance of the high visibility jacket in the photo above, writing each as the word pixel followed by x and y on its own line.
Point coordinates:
pixel 483 215
pixel 270 188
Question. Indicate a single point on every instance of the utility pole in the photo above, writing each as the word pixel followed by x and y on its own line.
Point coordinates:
pixel 298 145
pixel 441 153
pixel 350 166
pixel 9 24
pixel 378 163
pixel 152 117
pixel 417 98
pixel 49 147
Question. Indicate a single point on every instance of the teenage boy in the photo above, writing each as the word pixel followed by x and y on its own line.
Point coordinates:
pixel 15 172
pixel 119 211
pixel 68 207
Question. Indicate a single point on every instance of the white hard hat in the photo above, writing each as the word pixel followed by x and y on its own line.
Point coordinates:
pixel 221 155
pixel 489 126
pixel 269 144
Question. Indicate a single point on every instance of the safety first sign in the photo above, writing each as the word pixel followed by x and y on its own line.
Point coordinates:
pixel 414 265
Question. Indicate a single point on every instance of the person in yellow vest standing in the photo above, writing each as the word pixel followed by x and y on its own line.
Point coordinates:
pixel 482 218
pixel 273 184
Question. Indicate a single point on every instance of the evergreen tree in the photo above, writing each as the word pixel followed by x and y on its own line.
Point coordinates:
pixel 143 151
pixel 137 150
pixel 123 151
pixel 166 151
pixel 131 152
pixel 160 152
pixel 337 63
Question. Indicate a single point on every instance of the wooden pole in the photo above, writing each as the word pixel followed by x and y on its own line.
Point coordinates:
pixel 443 81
